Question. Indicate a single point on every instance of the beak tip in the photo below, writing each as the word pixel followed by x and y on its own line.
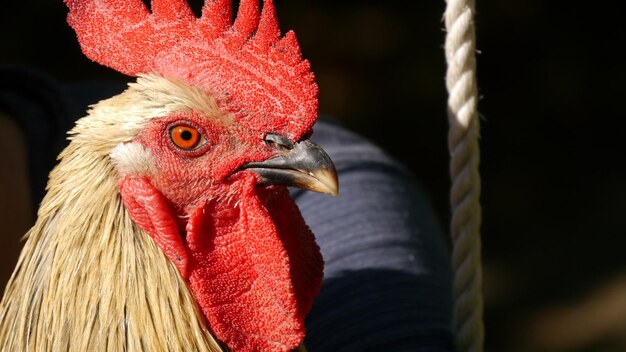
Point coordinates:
pixel 334 191
pixel 327 182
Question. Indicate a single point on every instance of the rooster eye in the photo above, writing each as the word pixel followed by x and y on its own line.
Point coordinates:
pixel 185 137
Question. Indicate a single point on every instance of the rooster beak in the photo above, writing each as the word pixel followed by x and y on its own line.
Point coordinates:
pixel 303 164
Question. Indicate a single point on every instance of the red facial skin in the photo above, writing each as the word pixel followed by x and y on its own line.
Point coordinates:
pixel 249 258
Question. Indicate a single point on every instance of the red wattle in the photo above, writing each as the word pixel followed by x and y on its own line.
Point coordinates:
pixel 254 268
pixel 149 210
pixel 251 263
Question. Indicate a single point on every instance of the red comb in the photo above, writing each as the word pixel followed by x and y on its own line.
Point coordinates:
pixel 252 72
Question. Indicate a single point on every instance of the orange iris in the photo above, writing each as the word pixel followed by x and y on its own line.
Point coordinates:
pixel 185 137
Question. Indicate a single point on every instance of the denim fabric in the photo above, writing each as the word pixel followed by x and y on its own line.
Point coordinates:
pixel 387 277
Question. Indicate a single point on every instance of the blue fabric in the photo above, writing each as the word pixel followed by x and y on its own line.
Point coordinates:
pixel 387 279
pixel 387 274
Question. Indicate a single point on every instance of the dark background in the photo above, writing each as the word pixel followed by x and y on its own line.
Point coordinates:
pixel 552 90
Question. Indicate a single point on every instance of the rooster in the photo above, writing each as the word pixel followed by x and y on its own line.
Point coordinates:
pixel 167 223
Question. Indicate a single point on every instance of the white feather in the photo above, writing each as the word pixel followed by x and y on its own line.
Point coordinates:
pixel 132 159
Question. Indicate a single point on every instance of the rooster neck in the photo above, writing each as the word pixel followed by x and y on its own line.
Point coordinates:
pixel 89 279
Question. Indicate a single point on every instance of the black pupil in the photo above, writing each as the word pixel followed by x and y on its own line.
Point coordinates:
pixel 186 135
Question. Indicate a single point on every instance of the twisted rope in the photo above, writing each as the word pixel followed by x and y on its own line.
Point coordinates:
pixel 463 136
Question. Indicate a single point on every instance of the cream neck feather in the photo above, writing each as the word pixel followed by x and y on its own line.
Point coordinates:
pixel 88 279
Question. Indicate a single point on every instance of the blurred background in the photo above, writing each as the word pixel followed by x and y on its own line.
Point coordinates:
pixel 551 81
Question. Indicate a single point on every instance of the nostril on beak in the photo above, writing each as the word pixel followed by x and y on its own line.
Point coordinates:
pixel 279 142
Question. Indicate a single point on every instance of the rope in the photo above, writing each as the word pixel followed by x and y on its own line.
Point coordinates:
pixel 463 136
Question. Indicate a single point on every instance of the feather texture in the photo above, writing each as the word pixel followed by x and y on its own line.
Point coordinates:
pixel 88 278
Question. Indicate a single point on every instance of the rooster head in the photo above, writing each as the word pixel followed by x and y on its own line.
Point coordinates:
pixel 211 134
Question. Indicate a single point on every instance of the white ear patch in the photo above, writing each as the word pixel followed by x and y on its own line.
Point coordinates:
pixel 132 159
